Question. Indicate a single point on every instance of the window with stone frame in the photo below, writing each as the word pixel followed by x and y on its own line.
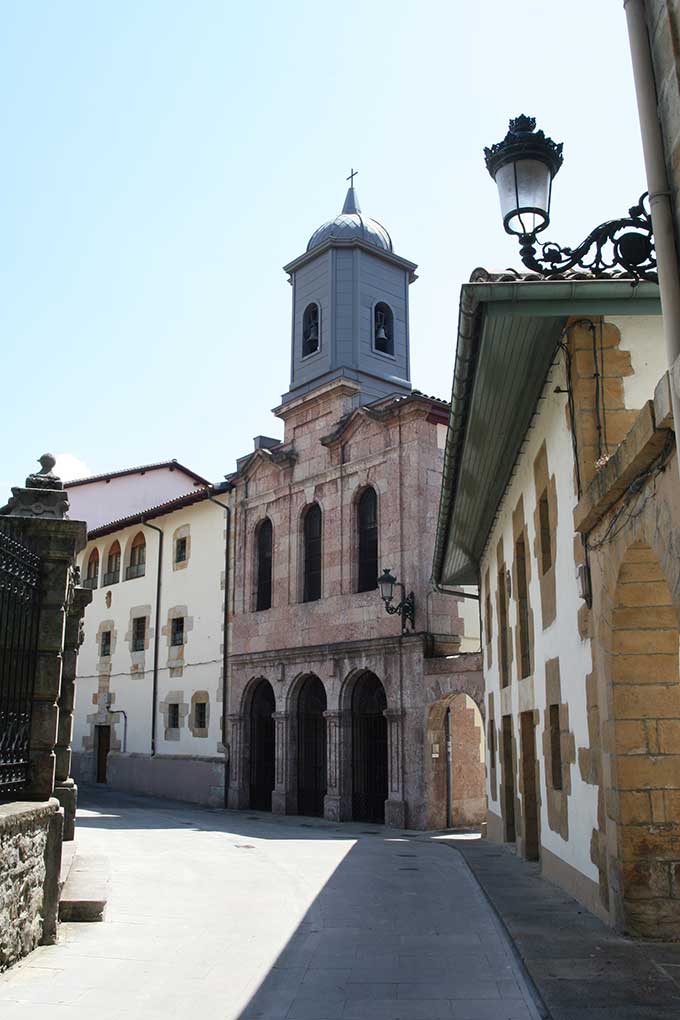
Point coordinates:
pixel 200 715
pixel 92 570
pixel 177 631
pixel 112 575
pixel 491 743
pixel 503 631
pixel 137 564
pixel 138 633
pixel 181 550
pixel 105 643
pixel 367 528
pixel 522 608
pixel 545 537
pixel 311 560
pixel 555 747
pixel 311 330
pixel 173 716
pixel 487 615
pixel 264 550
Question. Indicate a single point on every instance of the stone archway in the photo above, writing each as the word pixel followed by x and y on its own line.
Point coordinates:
pixel 455 763
pixel 369 749
pixel 311 746
pixel 262 746
pixel 645 747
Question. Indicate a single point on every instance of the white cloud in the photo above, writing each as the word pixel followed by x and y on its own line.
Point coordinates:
pixel 69 467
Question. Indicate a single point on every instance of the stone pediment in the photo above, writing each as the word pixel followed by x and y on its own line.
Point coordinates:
pixel 278 457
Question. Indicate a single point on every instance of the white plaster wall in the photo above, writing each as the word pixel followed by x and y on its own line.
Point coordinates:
pixel 562 638
pixel 198 587
pixel 101 502
pixel 642 335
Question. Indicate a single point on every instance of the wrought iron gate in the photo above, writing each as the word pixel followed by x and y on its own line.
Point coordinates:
pixel 311 747
pixel 262 747
pixel 19 612
pixel 369 750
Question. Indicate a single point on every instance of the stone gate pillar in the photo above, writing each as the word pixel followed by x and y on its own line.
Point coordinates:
pixel 65 789
pixel 284 798
pixel 338 799
pixel 238 796
pixel 395 805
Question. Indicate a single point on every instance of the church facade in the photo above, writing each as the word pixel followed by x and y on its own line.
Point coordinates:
pixel 335 708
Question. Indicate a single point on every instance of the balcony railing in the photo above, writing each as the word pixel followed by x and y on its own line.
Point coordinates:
pixel 89 582
pixel 113 577
pixel 134 570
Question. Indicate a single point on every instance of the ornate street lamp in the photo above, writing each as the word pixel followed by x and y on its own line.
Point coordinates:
pixel 523 166
pixel 406 608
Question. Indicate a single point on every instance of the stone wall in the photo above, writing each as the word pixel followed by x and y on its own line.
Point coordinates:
pixel 30 855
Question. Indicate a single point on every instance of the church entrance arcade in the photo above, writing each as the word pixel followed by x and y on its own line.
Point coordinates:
pixel 369 750
pixel 262 746
pixel 311 747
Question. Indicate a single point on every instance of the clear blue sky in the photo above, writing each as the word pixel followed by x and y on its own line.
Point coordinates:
pixel 162 160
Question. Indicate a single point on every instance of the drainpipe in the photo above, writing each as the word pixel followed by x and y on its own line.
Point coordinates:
pixel 225 643
pixel 156 635
pixel 658 188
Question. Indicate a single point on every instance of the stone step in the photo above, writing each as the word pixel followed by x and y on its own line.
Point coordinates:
pixel 85 891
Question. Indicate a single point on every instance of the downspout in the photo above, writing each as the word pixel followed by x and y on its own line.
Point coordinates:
pixel 225 642
pixel 156 635
pixel 658 188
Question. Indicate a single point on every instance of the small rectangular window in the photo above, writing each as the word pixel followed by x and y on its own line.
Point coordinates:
pixel 138 633
pixel 492 746
pixel 177 637
pixel 181 550
pixel 503 635
pixel 105 647
pixel 555 747
pixel 522 609
pixel 488 617
pixel 544 522
pixel 173 717
pixel 200 715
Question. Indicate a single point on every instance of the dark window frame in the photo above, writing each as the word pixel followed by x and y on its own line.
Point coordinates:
pixel 545 538
pixel 202 708
pixel 177 631
pixel 105 644
pixel 383 316
pixel 181 549
pixel 522 597
pixel 503 628
pixel 367 540
pixel 311 317
pixel 173 715
pixel 555 746
pixel 264 563
pixel 312 552
pixel 138 633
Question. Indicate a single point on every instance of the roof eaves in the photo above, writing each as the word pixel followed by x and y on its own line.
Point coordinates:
pixel 172 465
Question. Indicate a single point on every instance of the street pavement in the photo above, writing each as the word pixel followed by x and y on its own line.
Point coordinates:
pixel 218 915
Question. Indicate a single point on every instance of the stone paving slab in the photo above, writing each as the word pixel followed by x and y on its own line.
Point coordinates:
pixel 216 915
pixel 581 968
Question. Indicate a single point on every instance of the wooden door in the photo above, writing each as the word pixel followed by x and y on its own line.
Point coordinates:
pixel 103 747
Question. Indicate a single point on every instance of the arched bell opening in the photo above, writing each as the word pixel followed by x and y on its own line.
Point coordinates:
pixel 311 747
pixel 369 749
pixel 262 746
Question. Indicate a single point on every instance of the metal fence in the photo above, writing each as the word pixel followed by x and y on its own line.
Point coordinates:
pixel 19 611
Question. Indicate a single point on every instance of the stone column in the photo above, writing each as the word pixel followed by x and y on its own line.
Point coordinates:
pixel 239 793
pixel 65 789
pixel 338 799
pixel 284 799
pixel 395 805
pixel 37 513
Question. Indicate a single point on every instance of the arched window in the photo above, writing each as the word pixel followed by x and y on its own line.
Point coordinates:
pixel 312 554
pixel 92 570
pixel 367 527
pixel 383 328
pixel 112 575
pixel 137 557
pixel 310 330
pixel 263 594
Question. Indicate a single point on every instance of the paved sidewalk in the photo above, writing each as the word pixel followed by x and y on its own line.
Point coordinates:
pixel 218 915
pixel 581 968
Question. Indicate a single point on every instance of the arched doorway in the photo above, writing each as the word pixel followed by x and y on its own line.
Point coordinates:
pixel 369 750
pixel 454 763
pixel 262 746
pixel 646 711
pixel 311 765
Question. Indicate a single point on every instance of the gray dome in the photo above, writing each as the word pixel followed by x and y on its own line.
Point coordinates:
pixel 350 225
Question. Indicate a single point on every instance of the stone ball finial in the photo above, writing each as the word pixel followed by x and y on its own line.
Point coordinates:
pixel 47 462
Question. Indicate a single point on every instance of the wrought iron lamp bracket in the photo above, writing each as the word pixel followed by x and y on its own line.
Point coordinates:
pixel 627 243
pixel 406 608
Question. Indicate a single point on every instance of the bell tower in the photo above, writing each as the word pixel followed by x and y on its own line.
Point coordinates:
pixel 350 308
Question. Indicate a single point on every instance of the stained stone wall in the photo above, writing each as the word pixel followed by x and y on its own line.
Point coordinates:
pixel 27 850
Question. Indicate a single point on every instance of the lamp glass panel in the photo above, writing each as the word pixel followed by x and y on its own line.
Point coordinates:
pixel 524 192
